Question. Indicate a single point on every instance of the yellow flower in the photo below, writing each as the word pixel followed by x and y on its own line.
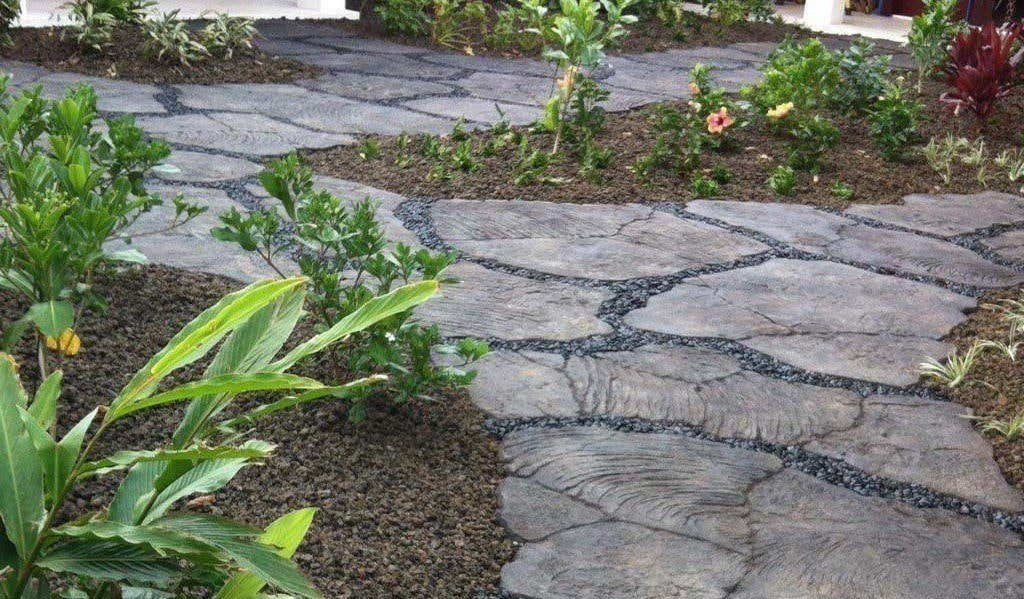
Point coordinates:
pixel 780 111
pixel 566 81
pixel 719 121
pixel 694 89
pixel 68 343
pixel 6 356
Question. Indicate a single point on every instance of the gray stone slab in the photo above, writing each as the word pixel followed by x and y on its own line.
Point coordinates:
pixel 1009 245
pixel 586 240
pixel 639 76
pixel 820 316
pixel 911 440
pixel 362 44
pixel 113 95
pixel 284 47
pixel 487 303
pixel 491 63
pixel 819 232
pixel 190 246
pixel 689 518
pixel 722 59
pixel 196 167
pixel 249 134
pixel 474 109
pixel 949 214
pixel 521 89
pixel 350 191
pixel 375 87
pixel 395 65
pixel 263 98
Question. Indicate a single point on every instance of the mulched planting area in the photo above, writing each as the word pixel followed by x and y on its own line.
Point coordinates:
pixel 407 498
pixel 855 160
pixel 995 388
pixel 123 59
pixel 649 35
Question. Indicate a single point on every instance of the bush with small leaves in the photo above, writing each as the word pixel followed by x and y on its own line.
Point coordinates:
pixel 807 75
pixel 782 181
pixel 10 10
pixel 894 119
pixel 863 76
pixel 408 17
pixel 930 34
pixel 841 190
pixel 704 187
pixel 811 137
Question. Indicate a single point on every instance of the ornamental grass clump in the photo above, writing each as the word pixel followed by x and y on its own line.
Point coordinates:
pixel 69 189
pixel 982 68
pixel 143 543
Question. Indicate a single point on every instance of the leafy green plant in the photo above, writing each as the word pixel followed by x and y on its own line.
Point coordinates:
pixel 863 76
pixel 532 165
pixel 408 17
pixel 580 33
pixel 1009 429
pixel 68 189
pixel 90 28
pixel 930 34
pixel 721 175
pixel 369 149
pixel 810 140
pixel 782 181
pixel 808 75
pixel 1012 162
pixel 729 13
pixel 167 36
pixel 348 259
pixel 138 545
pixel 224 35
pixel 894 119
pixel 841 190
pixel 453 20
pixel 954 369
pixel 941 154
pixel 704 187
pixel 519 26
pixel 10 10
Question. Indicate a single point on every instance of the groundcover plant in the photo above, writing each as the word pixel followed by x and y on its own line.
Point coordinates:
pixel 138 545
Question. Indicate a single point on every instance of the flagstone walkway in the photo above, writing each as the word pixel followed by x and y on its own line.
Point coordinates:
pixel 704 400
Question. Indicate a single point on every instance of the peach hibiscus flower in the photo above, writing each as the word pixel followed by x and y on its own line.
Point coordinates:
pixel 719 121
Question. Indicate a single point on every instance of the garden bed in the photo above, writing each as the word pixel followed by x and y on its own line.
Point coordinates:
pixel 994 389
pixel 123 59
pixel 406 499
pixel 649 35
pixel 855 160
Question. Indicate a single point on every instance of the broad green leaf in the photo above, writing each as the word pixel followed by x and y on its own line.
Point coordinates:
pixel 205 477
pixel 370 313
pixel 240 543
pixel 162 541
pixel 248 349
pixel 198 337
pixel 110 560
pixel 44 405
pixel 127 459
pixel 10 385
pixel 69 447
pixel 285 533
pixel 21 472
pixel 349 390
pixel 225 383
pixel 52 318
pixel 137 487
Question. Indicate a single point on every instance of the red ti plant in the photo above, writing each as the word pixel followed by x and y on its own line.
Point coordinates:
pixel 982 67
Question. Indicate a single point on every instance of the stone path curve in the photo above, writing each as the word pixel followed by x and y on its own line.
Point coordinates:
pixel 708 400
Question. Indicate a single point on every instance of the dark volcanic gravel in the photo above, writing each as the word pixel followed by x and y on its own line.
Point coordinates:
pixel 123 59
pixel 407 498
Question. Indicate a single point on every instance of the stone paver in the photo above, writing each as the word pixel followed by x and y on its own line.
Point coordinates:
pixel 196 167
pixel 249 134
pixel 949 214
pixel 819 232
pixel 665 516
pixel 488 303
pixel 912 440
pixel 821 316
pixel 360 86
pixel 475 109
pixel 1009 245
pixel 591 241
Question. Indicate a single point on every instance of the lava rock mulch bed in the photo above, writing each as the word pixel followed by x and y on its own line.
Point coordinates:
pixel 855 160
pixel 994 389
pixel 50 48
pixel 649 35
pixel 406 499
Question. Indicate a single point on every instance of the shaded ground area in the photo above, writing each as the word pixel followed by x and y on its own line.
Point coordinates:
pixel 630 136
pixel 55 48
pixel 406 500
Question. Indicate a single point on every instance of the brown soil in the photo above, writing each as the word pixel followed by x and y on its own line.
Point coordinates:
pixel 649 35
pixel 123 59
pixel 995 389
pixel 406 499
pixel 855 160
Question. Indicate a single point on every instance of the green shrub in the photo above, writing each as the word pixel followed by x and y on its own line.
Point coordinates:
pixel 810 140
pixel 520 26
pixel 841 190
pixel 343 251
pixel 782 181
pixel 72 188
pixel 224 35
pixel 808 75
pixel 91 29
pixel 894 119
pixel 454 20
pixel 136 546
pixel 167 36
pixel 704 187
pixel 10 10
pixel 729 13
pixel 930 34
pixel 408 17
pixel 863 77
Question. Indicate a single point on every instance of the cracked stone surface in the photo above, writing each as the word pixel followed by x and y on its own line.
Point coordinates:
pixel 196 167
pixel 590 241
pixel 665 516
pixel 1009 245
pixel 249 134
pixel 949 214
pixel 913 440
pixel 821 316
pixel 818 232
pixel 488 303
